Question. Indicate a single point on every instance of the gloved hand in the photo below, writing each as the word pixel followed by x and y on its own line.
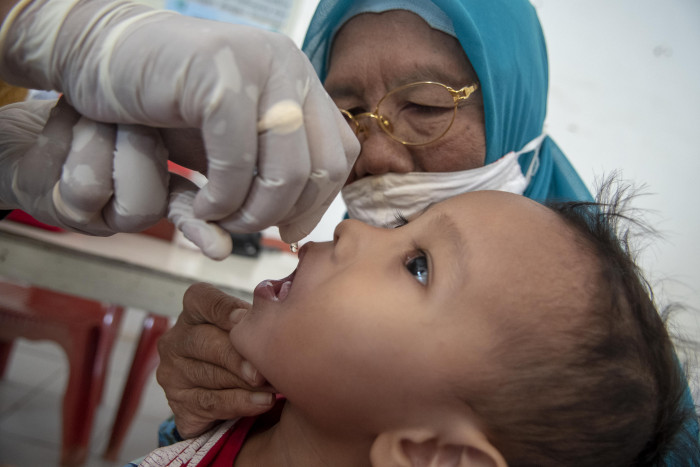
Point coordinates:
pixel 63 169
pixel 97 178
pixel 203 376
pixel 278 151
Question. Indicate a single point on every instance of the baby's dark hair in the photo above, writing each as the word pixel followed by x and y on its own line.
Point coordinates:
pixel 609 390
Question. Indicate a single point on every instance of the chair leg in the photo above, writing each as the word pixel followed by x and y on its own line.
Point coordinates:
pixel 85 330
pixel 109 332
pixel 5 351
pixel 79 400
pixel 144 362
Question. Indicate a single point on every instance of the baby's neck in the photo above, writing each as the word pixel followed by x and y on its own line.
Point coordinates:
pixel 294 442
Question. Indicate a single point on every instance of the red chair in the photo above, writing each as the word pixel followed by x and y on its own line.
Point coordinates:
pixel 144 362
pixel 85 329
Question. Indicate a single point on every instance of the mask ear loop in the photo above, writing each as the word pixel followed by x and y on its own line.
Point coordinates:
pixel 534 145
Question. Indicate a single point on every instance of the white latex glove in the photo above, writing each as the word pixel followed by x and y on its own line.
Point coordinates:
pixel 278 151
pixel 69 171
pixel 95 178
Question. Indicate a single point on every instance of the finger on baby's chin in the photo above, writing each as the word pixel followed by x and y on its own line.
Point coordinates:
pixel 205 304
pixel 237 315
pixel 211 361
pixel 233 403
pixel 206 375
pixel 212 406
pixel 207 343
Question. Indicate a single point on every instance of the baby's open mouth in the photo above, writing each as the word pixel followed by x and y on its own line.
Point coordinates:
pixel 275 290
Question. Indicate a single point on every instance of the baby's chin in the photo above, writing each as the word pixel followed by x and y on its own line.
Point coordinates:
pixel 251 346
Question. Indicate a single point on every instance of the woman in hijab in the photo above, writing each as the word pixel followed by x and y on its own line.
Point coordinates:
pixel 505 47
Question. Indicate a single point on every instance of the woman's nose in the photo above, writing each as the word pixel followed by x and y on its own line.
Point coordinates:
pixel 380 154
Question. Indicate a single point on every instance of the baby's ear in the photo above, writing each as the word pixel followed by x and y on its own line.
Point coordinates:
pixel 410 448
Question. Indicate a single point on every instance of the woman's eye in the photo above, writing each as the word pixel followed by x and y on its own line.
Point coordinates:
pixel 355 110
pixel 427 110
pixel 417 265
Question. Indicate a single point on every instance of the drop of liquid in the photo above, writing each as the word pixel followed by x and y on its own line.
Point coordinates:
pixel 294 247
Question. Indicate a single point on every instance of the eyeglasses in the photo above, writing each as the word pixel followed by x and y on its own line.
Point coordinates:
pixel 414 114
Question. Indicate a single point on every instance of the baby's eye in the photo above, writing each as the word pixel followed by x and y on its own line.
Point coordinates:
pixel 417 265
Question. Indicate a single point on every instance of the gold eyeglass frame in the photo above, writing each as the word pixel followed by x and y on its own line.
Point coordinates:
pixel 459 95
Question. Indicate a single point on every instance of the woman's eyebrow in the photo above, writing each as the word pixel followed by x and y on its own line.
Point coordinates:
pixel 430 73
pixel 342 91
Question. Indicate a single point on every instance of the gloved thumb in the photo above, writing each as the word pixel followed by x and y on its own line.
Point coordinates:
pixel 214 241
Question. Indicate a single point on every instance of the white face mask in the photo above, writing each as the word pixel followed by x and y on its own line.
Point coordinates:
pixel 376 200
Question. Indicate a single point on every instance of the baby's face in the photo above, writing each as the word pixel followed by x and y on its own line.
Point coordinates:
pixel 382 323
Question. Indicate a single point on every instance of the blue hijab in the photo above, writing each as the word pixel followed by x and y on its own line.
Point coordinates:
pixel 504 42
pixel 505 45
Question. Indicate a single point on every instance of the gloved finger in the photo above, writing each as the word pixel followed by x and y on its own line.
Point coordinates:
pixel 214 241
pixel 283 169
pixel 21 124
pixel 283 151
pixel 46 156
pixel 86 184
pixel 230 138
pixel 61 120
pixel 140 180
pixel 300 228
pixel 333 149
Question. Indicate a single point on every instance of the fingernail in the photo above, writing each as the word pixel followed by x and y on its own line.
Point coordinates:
pixel 262 398
pixel 237 315
pixel 249 372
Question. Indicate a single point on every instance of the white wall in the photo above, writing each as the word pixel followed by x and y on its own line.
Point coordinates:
pixel 625 94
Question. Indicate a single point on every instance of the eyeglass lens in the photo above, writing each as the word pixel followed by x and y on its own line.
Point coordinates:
pixel 414 114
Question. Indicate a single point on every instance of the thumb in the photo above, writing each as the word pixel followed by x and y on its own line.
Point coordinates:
pixel 214 241
pixel 205 304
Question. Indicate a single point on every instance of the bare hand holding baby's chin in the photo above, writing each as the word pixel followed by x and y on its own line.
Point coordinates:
pixel 205 380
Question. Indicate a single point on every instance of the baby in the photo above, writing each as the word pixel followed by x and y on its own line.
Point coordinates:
pixel 488 331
